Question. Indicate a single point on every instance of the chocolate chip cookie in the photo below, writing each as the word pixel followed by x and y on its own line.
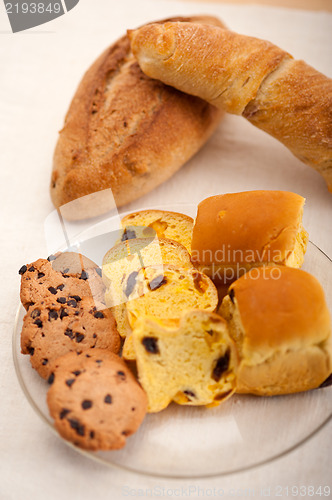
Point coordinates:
pixel 51 328
pixel 95 400
pixel 49 279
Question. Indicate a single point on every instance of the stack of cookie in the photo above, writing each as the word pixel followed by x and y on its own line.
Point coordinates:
pixel 73 343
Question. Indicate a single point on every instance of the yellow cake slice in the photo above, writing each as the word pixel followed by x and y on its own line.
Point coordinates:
pixel 162 223
pixel 122 263
pixel 193 363
pixel 167 292
pixel 280 322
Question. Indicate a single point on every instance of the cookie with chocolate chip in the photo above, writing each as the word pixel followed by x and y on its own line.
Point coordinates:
pixel 60 276
pixel 52 328
pixel 94 399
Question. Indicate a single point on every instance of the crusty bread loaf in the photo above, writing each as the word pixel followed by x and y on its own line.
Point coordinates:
pixel 192 364
pixel 236 231
pixel 126 132
pixel 122 263
pixel 281 325
pixel 243 75
pixel 161 223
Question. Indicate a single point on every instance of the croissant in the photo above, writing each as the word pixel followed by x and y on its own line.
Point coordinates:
pixel 246 76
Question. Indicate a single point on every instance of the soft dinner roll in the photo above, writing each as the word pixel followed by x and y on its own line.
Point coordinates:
pixel 237 231
pixel 281 325
pixel 192 364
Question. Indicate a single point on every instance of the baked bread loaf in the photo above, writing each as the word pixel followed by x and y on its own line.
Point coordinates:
pixel 236 231
pixel 125 132
pixel 122 263
pixel 243 75
pixel 167 292
pixel 52 328
pixel 160 223
pixel 192 364
pixel 281 325
pixel 95 400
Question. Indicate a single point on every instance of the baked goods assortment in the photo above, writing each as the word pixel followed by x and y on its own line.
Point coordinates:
pixel 271 334
pixel 246 76
pixel 161 306
pixel 202 308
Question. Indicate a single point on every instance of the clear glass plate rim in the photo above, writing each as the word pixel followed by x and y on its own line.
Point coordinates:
pixel 129 469
pixel 133 470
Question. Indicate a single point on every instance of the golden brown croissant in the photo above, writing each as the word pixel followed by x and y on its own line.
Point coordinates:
pixel 243 75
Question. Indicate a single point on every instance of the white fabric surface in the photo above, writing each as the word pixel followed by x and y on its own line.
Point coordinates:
pixel 40 70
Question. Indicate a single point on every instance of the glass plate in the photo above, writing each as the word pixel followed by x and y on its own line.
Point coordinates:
pixel 195 442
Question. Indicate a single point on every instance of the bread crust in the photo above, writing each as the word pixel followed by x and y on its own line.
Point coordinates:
pixel 303 124
pixel 126 132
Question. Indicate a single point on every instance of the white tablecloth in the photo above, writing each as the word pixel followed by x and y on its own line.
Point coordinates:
pixel 39 72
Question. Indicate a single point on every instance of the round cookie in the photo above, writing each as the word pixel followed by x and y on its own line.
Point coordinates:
pixel 40 280
pixel 95 400
pixel 53 328
pixel 72 263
